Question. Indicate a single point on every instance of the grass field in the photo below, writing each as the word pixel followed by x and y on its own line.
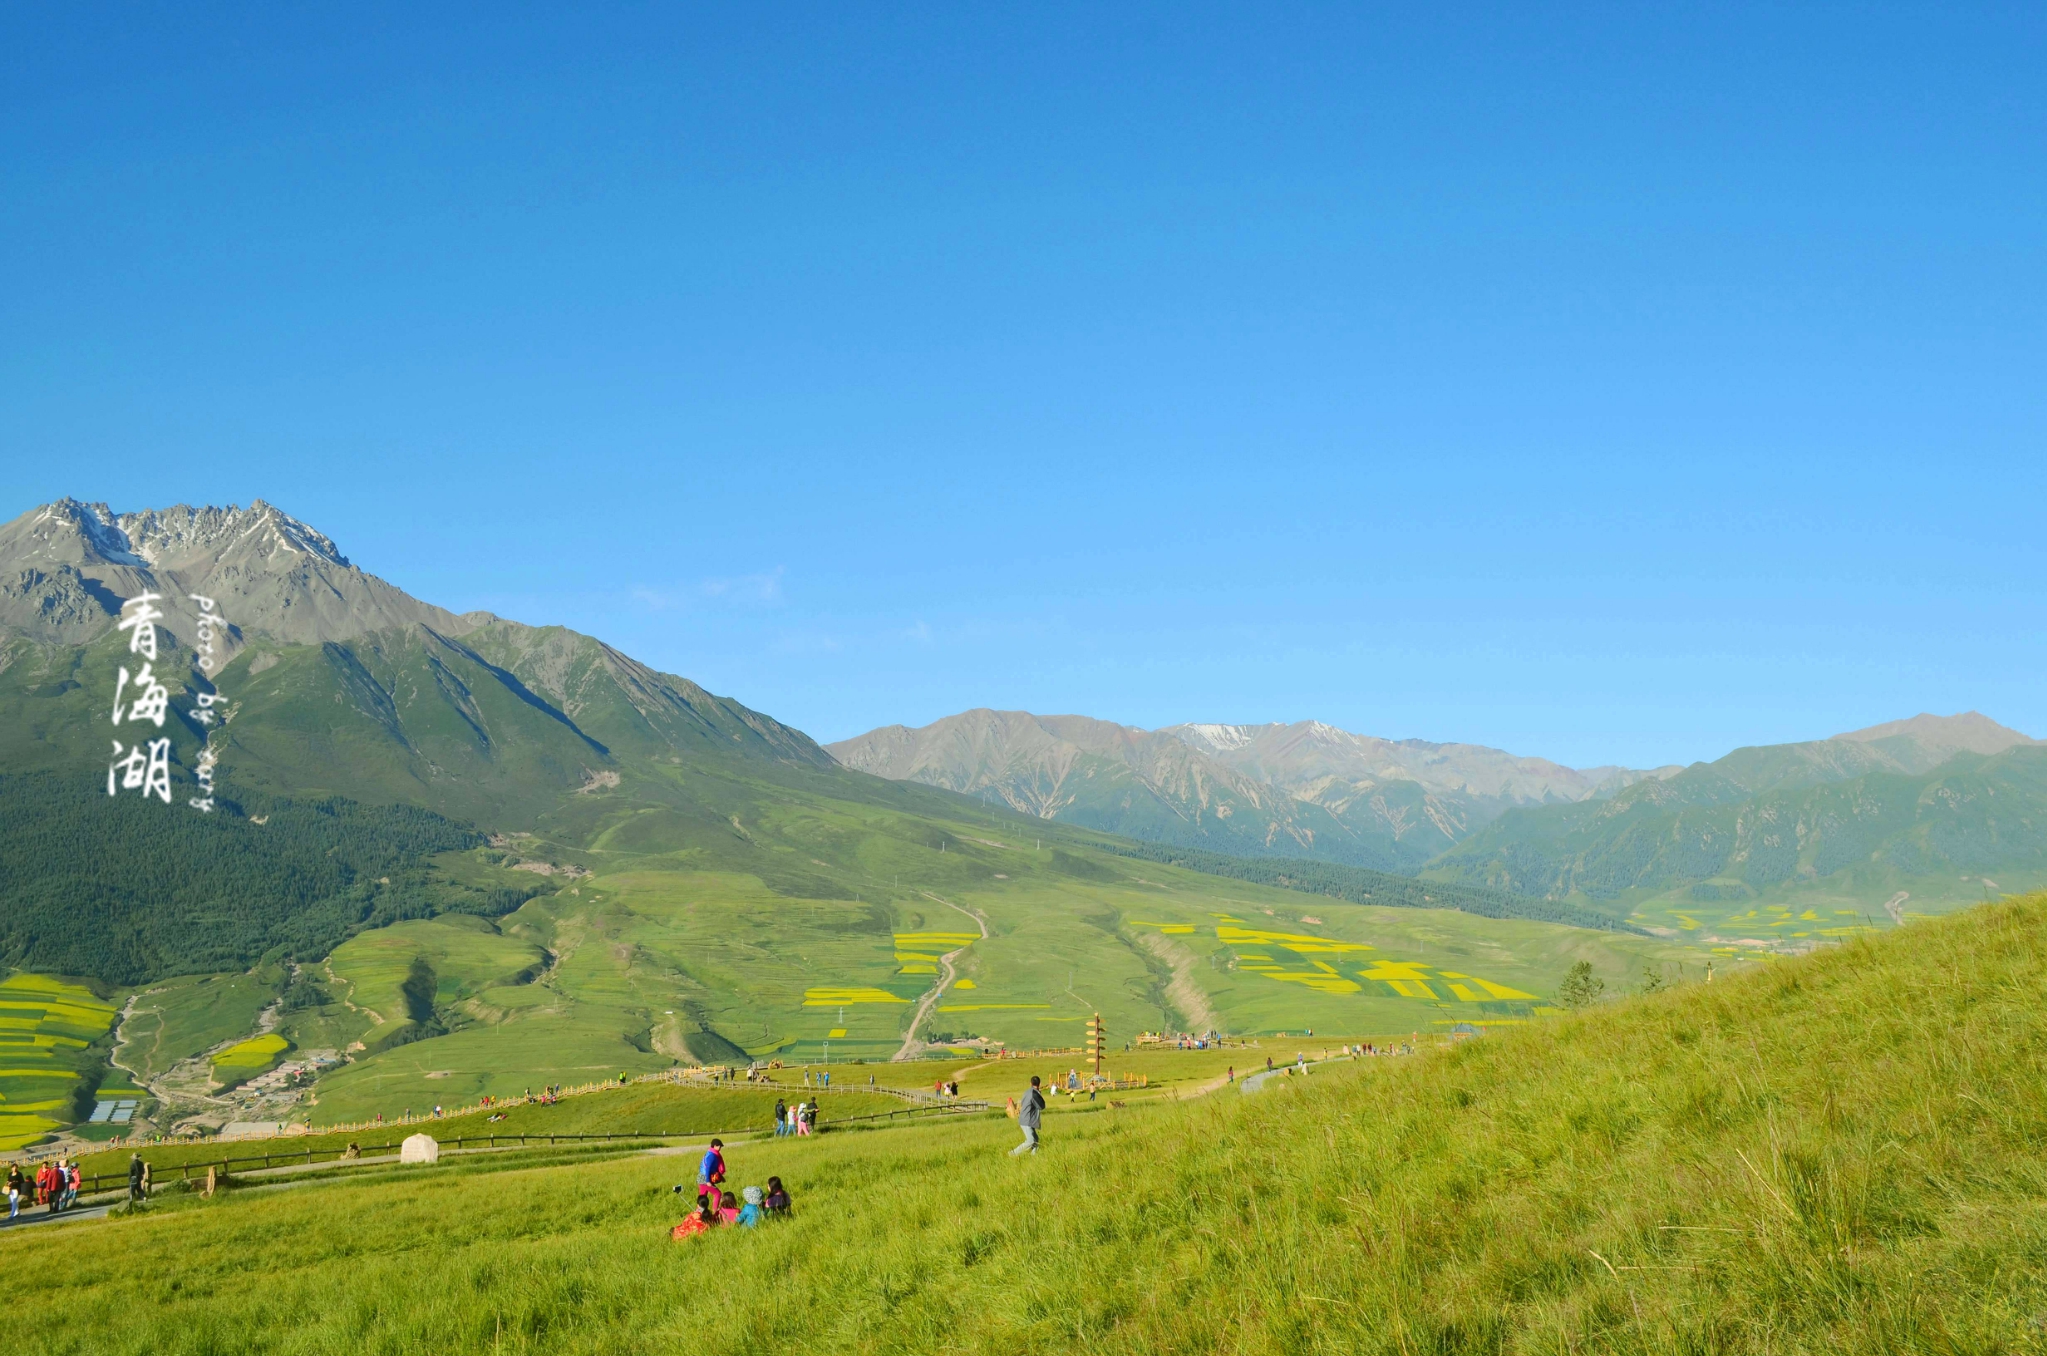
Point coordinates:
pixel 1734 920
pixel 638 1108
pixel 183 1018
pixel 49 1031
pixel 405 974
pixel 1834 1153
pixel 656 964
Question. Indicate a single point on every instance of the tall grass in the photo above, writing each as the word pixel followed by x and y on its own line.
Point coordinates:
pixel 1834 1154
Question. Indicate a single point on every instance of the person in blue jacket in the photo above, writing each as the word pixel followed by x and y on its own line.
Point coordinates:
pixel 1029 1116
pixel 711 1172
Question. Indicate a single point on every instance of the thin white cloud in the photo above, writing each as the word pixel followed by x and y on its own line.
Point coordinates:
pixel 741 591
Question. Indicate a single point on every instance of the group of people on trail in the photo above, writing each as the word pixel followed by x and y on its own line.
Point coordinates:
pixel 799 1119
pixel 54 1186
pixel 718 1208
pixel 1368 1048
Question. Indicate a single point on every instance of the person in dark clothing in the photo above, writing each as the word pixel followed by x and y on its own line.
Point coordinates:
pixel 1029 1116
pixel 134 1178
pixel 781 1118
pixel 777 1202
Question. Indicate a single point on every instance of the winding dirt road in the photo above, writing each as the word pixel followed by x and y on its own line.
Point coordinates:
pixel 912 1047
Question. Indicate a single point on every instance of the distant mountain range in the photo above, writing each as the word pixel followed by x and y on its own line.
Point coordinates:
pixel 1300 790
pixel 1929 796
pixel 1959 798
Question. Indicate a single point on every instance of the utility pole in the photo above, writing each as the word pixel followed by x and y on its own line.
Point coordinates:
pixel 1097 1039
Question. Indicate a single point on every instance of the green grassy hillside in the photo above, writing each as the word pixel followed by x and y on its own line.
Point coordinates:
pixel 1835 1153
pixel 1705 845
pixel 815 925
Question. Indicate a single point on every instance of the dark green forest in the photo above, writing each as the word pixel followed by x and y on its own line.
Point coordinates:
pixel 127 890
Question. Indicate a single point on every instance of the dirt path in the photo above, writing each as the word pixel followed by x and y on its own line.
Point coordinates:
pixel 344 990
pixel 121 1042
pixel 1183 993
pixel 912 1047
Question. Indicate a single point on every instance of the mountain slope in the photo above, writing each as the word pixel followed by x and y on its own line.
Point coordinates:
pixel 1864 817
pixel 333 681
pixel 1309 756
pixel 1138 783
pixel 1302 790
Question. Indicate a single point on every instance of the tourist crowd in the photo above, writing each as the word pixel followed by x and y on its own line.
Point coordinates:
pixel 54 1186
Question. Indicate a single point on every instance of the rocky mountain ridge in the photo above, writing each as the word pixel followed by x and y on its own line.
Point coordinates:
pixel 338 681
pixel 1305 789
pixel 66 567
pixel 1476 815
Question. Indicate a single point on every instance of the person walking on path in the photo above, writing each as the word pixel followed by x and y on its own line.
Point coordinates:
pixel 14 1187
pixel 781 1118
pixel 1029 1116
pixel 134 1178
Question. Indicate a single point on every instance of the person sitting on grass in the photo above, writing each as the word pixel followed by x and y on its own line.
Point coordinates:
pixel 750 1214
pixel 777 1203
pixel 728 1207
pixel 701 1220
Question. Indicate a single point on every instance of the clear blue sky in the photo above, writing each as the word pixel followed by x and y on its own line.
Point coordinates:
pixel 1611 385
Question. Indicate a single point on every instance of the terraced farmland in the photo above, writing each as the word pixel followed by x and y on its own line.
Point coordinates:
pixel 48 1061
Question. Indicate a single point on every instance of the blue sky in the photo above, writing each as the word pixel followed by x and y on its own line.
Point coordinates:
pixel 1611 385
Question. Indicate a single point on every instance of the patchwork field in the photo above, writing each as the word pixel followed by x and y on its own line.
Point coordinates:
pixel 638 968
pixel 48 1061
pixel 1735 921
